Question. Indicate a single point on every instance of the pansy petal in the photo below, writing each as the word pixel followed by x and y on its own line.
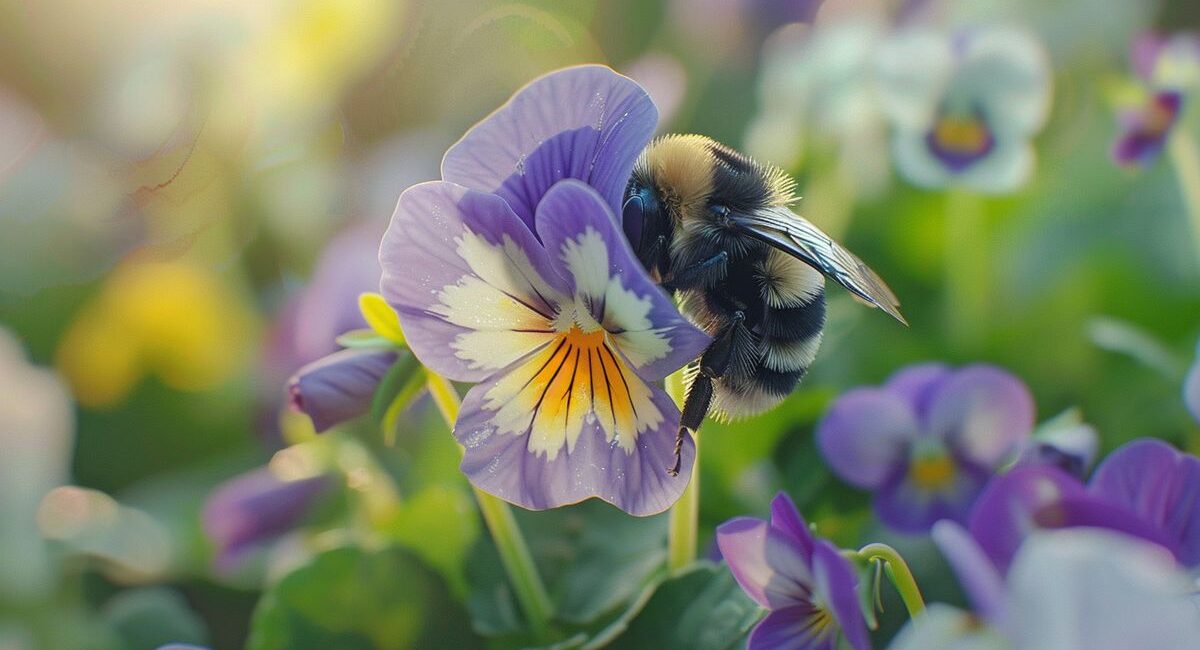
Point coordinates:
pixel 943 627
pixel 339 387
pixel 916 384
pixel 1088 588
pixel 909 507
pixel 798 627
pixel 1007 71
pixel 587 247
pixel 865 436
pixel 1009 166
pixel 770 568
pixel 1143 54
pixel 916 163
pixel 585 122
pixel 787 520
pixel 983 412
pixel 1004 513
pixel 982 583
pixel 913 68
pixel 254 508
pixel 470 282
pixel 1161 485
pixel 837 583
pixel 570 423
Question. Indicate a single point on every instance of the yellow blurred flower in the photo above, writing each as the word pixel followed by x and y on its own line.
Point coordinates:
pixel 174 320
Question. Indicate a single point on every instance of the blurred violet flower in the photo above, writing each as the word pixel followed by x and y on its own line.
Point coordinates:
pixel 1144 489
pixel 809 588
pixel 965 105
pixel 1191 387
pixel 928 440
pixel 326 308
pixel 255 508
pixel 1167 70
pixel 514 272
pixel 1080 588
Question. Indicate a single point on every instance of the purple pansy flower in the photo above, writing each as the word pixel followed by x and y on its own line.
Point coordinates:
pixel 1144 489
pixel 513 272
pixel 1167 69
pixel 254 508
pixel 926 441
pixel 809 588
pixel 1191 388
pixel 339 386
pixel 1079 588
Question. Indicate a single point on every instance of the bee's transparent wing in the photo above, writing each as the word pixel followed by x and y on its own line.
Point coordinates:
pixel 794 235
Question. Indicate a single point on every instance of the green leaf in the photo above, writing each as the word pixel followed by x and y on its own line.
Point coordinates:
pixel 364 338
pixel 702 608
pixel 351 599
pixel 152 617
pixel 440 525
pixel 593 557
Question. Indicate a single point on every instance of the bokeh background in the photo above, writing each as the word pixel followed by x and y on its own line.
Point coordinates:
pixel 191 195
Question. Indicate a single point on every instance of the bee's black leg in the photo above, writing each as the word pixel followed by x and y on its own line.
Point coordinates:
pixel 713 364
pixel 685 277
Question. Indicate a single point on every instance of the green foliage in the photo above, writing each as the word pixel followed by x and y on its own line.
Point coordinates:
pixel 151 617
pixel 355 599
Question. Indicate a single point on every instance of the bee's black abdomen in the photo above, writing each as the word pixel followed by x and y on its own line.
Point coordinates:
pixel 775 382
pixel 795 323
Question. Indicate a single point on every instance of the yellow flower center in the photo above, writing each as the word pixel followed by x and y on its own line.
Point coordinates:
pixel 961 134
pixel 932 471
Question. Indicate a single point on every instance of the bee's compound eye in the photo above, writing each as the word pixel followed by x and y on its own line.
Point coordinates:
pixel 632 218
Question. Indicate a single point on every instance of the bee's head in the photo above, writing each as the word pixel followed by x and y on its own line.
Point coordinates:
pixel 679 180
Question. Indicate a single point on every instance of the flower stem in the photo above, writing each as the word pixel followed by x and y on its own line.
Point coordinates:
pixel 898 572
pixel 685 514
pixel 966 256
pixel 1186 159
pixel 514 552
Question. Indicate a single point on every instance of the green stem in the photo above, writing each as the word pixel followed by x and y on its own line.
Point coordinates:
pixel 685 514
pixel 514 552
pixel 1186 159
pixel 898 572
pixel 966 258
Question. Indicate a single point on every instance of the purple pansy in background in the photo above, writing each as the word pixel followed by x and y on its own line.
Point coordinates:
pixel 513 272
pixel 308 326
pixel 1080 588
pixel 964 105
pixel 1167 70
pixel 1145 489
pixel 928 440
pixel 1191 387
pixel 809 588
pixel 254 508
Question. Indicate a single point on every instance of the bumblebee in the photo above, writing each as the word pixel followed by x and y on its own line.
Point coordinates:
pixel 714 227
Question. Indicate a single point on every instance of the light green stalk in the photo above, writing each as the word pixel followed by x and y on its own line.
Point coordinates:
pixel 685 514
pixel 514 552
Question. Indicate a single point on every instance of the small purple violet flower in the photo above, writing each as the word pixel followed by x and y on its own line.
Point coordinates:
pixel 928 440
pixel 513 272
pixel 329 385
pixel 809 588
pixel 1144 489
pixel 1167 70
pixel 254 508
